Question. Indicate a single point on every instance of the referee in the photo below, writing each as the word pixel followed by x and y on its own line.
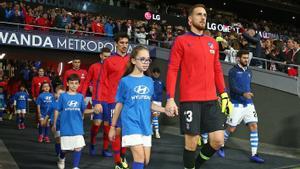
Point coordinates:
pixel 197 57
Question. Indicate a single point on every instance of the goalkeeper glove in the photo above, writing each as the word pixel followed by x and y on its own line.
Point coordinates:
pixel 226 104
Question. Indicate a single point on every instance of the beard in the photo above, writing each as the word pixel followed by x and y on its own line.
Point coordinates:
pixel 198 26
pixel 244 64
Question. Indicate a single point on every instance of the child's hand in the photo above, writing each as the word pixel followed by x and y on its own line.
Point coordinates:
pixel 112 133
pixel 53 128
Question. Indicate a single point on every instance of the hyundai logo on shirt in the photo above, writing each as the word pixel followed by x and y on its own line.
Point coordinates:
pixel 72 106
pixel 141 92
pixel 141 89
pixel 72 103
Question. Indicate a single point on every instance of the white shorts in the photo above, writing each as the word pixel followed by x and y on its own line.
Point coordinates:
pixel 21 111
pixel 136 139
pixel 157 103
pixel 240 112
pixel 72 142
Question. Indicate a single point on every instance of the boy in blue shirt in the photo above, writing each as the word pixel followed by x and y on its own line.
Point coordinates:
pixel 159 87
pixel 70 109
pixel 20 106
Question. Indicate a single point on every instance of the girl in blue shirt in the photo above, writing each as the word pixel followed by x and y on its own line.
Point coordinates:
pixel 134 104
pixel 44 102
pixel 20 106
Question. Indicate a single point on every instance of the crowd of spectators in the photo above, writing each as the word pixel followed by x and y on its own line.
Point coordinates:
pixel 161 33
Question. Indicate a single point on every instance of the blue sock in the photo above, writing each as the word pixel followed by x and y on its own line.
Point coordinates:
pixel 40 130
pixel 18 119
pixel 47 131
pixel 254 142
pixel 155 123
pixel 76 158
pixel 226 135
pixel 57 149
pixel 1 113
pixel 22 119
pixel 61 154
pixel 137 165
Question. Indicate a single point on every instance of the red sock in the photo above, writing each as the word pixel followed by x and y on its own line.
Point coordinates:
pixel 94 132
pixel 105 137
pixel 123 151
pixel 116 146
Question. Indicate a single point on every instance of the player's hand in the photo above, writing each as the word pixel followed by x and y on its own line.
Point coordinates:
pixel 226 104
pixel 171 108
pixel 98 108
pixel 53 128
pixel 112 133
pixel 248 95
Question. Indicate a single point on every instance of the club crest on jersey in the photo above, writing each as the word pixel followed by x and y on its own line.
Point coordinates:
pixel 82 76
pixel 211 47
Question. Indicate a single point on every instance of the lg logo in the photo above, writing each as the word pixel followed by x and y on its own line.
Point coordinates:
pixel 149 16
pixel 72 103
pixel 141 89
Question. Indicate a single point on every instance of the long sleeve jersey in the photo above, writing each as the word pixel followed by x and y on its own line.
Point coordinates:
pixel 197 57
pixel 113 69
pixel 239 83
pixel 93 77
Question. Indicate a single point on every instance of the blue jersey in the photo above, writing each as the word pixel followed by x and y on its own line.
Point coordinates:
pixel 21 100
pixel 135 93
pixel 71 108
pixel 239 83
pixel 2 101
pixel 158 89
pixel 45 100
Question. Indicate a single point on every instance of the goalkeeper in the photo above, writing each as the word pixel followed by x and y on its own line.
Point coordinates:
pixel 201 77
pixel 240 91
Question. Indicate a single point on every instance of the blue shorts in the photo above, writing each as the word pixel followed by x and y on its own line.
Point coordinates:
pixel 104 116
pixel 111 110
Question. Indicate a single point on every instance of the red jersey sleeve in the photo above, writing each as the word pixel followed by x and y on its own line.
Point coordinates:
pixel 173 67
pixel 33 86
pixel 219 78
pixel 103 82
pixel 87 81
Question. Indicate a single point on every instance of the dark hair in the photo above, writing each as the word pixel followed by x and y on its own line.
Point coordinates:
pixel 73 77
pixel 120 36
pixel 75 58
pixel 22 85
pixel 191 10
pixel 59 87
pixel 130 66
pixel 105 50
pixel 242 52
pixel 41 88
pixel 156 70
